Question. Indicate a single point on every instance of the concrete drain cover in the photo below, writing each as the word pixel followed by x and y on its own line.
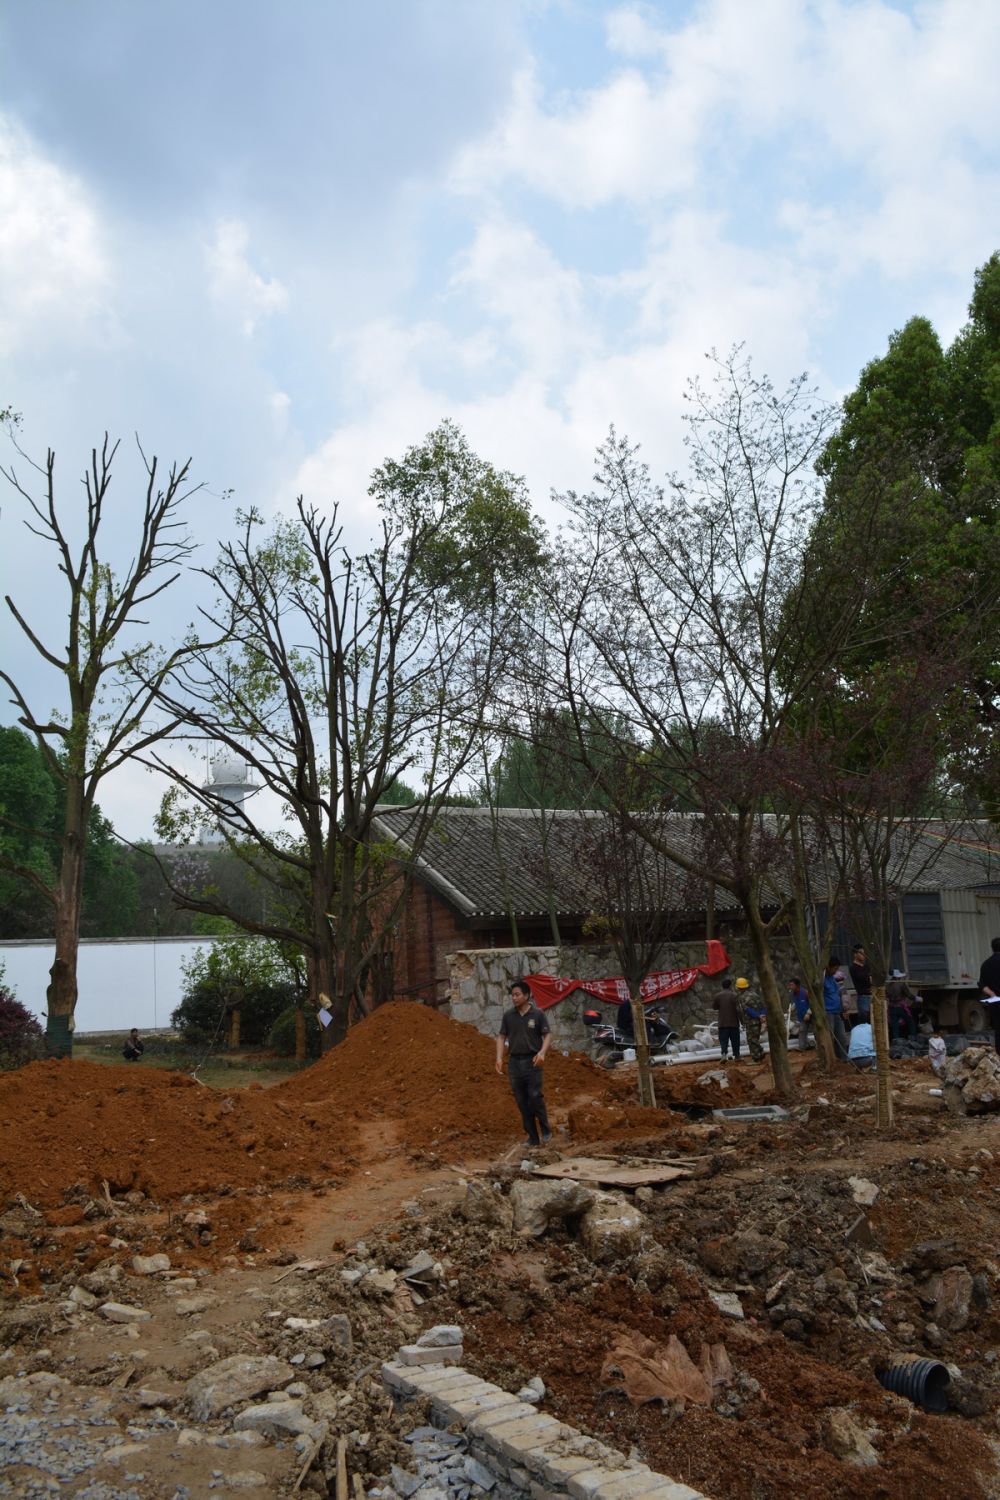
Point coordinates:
pixel 752 1112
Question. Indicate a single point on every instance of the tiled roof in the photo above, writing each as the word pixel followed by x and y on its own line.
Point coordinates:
pixel 492 864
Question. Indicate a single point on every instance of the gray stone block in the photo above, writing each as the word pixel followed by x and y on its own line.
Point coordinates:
pixel 557 1470
pixel 584 1486
pixel 628 1483
pixel 419 1354
pixel 481 1427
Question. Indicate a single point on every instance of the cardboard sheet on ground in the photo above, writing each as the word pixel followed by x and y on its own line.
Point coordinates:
pixel 598 1169
pixel 666 1372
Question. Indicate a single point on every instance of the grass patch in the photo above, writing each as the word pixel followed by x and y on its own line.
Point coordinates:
pixel 222 1070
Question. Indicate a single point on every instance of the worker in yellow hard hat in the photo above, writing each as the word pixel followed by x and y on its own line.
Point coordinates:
pixel 753 1018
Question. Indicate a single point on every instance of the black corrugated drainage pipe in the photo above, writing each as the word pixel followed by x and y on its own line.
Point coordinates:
pixel 924 1381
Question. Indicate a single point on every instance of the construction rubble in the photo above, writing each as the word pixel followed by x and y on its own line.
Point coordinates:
pixel 712 1303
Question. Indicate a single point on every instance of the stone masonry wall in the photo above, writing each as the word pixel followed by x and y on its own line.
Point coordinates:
pixel 480 980
pixel 531 1453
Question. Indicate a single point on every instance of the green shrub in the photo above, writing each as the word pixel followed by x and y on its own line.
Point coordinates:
pixel 282 1038
pixel 253 973
pixel 21 1037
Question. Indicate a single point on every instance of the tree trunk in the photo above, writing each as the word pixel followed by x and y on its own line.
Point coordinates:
pixel 884 1111
pixel 812 978
pixel 647 1093
pixel 777 1032
pixel 234 1028
pixel 330 995
pixel 61 993
pixel 300 1030
pixel 810 964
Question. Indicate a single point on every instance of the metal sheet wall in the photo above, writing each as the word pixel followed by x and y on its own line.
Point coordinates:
pixel 971 920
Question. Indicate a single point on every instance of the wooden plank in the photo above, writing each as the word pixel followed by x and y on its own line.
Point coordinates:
pixel 614 1173
pixel 340 1490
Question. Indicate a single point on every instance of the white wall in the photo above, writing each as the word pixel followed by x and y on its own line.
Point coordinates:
pixel 123 982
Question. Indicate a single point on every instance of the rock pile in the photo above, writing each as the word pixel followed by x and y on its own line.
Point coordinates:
pixel 972 1081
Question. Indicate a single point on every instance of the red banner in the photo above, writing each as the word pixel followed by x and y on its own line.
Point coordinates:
pixel 547 990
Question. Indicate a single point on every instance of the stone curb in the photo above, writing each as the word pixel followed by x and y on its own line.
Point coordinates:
pixel 514 1436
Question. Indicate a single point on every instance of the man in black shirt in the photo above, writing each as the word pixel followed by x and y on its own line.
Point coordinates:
pixel 526 1033
pixel 989 983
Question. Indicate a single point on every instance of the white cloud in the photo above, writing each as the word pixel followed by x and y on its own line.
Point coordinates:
pixel 234 285
pixel 280 405
pixel 886 103
pixel 54 270
pixel 519 284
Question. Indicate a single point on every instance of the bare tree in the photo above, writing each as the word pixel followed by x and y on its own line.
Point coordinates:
pixel 344 674
pixel 104 717
pixel 639 896
pixel 691 612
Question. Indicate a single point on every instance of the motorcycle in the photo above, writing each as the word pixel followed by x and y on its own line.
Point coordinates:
pixel 609 1043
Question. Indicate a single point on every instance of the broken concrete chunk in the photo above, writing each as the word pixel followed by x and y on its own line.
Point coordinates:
pixel 276 1419
pixel 149 1265
pixel 121 1312
pixel 844 1436
pixel 423 1268
pixel 383 1282
pixel 477 1473
pixel 234 1379
pixel 972 1081
pixel 82 1298
pixel 186 1307
pixel 538 1205
pixel 440 1334
pixel 484 1204
pixel 728 1304
pixel 610 1227
pixel 863 1192
pixel 533 1392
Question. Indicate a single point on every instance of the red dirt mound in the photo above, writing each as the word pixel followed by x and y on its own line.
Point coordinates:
pixel 432 1078
pixel 163 1133
pixel 436 1077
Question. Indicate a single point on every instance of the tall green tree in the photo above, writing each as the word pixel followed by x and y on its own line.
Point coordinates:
pixel 918 451
pixel 31 819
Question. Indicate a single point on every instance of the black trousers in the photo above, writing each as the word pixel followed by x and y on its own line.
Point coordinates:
pixel 526 1085
pixel 729 1036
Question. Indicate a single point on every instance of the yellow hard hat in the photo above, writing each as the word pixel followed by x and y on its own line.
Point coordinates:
pixel 742 984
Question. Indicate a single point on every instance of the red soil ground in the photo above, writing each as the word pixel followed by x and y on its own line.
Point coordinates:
pixel 63 1123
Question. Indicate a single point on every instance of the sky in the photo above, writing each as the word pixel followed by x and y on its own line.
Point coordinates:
pixel 288 239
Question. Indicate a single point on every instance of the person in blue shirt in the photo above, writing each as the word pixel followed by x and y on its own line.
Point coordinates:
pixel 799 996
pixel 861 1049
pixel 833 1004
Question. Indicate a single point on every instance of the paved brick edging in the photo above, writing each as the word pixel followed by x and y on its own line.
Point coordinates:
pixel 543 1457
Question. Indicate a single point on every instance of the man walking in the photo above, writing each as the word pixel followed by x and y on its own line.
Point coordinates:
pixel 730 1014
pixel 833 1004
pixel 753 1018
pixel 989 983
pixel 526 1033
pixel 861 978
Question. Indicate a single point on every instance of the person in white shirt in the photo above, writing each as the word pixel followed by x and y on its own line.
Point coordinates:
pixel 937 1051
